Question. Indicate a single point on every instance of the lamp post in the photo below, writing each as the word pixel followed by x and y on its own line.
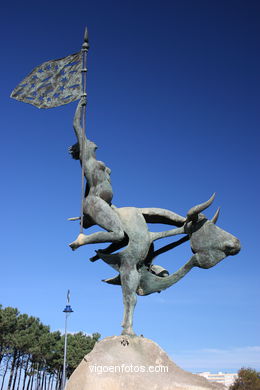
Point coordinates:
pixel 67 312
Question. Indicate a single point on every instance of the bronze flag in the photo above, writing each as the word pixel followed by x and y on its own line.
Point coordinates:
pixel 52 84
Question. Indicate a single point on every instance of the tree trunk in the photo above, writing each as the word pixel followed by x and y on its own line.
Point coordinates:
pixel 12 370
pixel 25 372
pixel 32 382
pixel 16 370
pixel 44 380
pixel 37 377
pixel 6 369
pixel 20 373
pixel 28 384
pixel 49 381
pixel 58 381
pixel 41 380
pixel 52 380
pixel 1 353
pixel 30 378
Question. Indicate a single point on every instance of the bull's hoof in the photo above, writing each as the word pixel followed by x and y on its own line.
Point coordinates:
pixel 94 258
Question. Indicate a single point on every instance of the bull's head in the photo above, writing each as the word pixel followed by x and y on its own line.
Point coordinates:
pixel 209 243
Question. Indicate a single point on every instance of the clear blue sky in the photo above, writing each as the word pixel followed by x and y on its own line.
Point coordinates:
pixel 174 106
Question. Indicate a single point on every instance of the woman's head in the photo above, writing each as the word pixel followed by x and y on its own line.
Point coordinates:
pixel 74 151
pixel 91 148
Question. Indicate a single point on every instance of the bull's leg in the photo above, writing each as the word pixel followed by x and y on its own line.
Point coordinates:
pixel 111 248
pixel 167 233
pixel 130 278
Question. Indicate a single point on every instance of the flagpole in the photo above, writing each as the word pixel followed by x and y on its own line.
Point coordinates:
pixel 84 52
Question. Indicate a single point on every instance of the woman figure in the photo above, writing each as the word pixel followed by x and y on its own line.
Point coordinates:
pixel 98 196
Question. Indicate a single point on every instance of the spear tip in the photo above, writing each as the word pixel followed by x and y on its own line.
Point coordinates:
pixel 86 34
pixel 85 44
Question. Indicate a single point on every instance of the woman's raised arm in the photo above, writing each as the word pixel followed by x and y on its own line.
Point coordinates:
pixel 77 121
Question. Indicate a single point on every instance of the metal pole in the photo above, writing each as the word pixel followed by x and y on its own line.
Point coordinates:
pixel 84 52
pixel 67 311
pixel 65 355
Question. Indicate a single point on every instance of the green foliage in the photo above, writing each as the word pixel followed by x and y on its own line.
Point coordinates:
pixel 248 379
pixel 78 346
pixel 8 324
pixel 28 346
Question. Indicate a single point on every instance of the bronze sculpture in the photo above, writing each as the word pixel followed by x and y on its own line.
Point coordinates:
pixel 127 228
pixel 98 195
pixel 57 82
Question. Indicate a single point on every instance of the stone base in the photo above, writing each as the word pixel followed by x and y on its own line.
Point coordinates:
pixel 126 363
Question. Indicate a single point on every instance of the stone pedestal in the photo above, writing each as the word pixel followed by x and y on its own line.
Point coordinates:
pixel 133 363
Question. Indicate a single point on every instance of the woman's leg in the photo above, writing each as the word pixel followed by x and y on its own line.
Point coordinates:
pixel 105 217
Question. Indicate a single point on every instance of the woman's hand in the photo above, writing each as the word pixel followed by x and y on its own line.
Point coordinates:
pixel 83 100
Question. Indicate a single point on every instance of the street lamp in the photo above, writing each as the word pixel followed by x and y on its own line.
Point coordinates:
pixel 67 312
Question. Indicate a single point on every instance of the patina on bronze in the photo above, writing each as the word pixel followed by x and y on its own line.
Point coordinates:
pixel 52 84
pixel 62 81
pixel 126 228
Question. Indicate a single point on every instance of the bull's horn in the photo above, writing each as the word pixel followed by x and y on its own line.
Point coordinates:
pixel 215 218
pixel 200 207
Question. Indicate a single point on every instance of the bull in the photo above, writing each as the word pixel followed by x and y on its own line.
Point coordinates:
pixel 138 274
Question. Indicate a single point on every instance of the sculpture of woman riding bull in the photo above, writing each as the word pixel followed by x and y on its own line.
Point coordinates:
pixel 127 228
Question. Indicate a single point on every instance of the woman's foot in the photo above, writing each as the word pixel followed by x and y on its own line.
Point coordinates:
pixel 81 240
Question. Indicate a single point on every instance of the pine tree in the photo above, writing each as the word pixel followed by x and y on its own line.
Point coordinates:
pixel 32 355
pixel 248 379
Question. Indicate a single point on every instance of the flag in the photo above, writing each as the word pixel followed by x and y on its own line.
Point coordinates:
pixel 52 84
